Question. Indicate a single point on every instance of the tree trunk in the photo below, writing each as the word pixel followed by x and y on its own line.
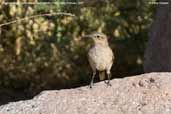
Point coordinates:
pixel 158 52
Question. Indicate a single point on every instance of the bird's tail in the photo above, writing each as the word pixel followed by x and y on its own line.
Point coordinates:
pixel 102 75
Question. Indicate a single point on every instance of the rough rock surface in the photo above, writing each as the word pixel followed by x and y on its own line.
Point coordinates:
pixel 141 94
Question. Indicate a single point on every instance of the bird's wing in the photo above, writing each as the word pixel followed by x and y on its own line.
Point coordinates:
pixel 112 54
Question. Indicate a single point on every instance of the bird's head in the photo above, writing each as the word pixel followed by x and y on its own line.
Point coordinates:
pixel 98 38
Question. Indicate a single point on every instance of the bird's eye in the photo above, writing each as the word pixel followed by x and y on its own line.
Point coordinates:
pixel 98 36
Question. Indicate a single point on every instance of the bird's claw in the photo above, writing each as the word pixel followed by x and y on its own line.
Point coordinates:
pixel 108 83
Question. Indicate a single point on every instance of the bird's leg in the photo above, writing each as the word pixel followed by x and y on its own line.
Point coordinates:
pixel 92 79
pixel 108 76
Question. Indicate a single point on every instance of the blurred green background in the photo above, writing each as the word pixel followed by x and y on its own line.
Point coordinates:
pixel 47 52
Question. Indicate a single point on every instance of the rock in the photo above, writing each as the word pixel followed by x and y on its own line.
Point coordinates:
pixel 141 94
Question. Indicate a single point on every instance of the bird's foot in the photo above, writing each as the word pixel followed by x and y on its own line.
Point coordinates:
pixel 108 83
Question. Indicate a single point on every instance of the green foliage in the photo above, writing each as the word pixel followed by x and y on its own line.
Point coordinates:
pixel 48 52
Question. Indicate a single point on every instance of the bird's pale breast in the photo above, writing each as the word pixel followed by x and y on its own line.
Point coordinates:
pixel 100 57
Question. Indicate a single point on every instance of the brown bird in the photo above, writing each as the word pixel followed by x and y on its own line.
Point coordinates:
pixel 100 55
